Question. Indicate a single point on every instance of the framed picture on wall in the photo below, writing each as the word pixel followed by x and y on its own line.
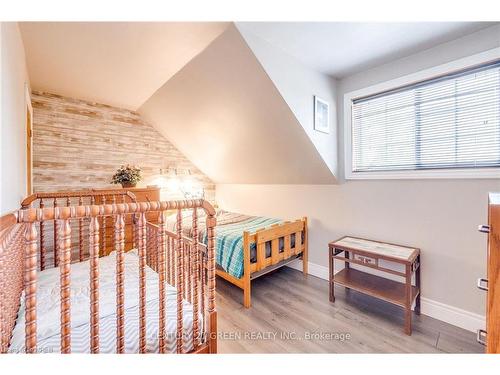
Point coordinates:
pixel 321 115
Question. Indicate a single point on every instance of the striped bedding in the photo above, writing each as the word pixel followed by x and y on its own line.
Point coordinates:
pixel 229 243
pixel 229 237
pixel 48 320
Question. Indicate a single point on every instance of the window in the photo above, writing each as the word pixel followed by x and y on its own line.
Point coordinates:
pixel 447 123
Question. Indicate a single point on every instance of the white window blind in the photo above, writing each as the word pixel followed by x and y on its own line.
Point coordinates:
pixel 448 122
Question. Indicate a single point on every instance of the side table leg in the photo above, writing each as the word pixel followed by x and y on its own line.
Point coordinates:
pixel 331 277
pixel 418 283
pixel 347 266
pixel 408 300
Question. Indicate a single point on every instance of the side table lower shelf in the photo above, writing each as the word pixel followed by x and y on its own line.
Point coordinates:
pixel 375 286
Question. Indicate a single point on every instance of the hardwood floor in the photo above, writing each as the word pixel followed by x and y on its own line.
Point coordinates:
pixel 292 314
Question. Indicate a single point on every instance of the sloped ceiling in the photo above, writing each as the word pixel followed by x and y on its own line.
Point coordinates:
pixel 298 85
pixel 225 114
pixel 117 63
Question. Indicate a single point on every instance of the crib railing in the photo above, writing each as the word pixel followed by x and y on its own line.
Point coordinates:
pixel 48 232
pixel 11 275
pixel 179 260
pixel 194 270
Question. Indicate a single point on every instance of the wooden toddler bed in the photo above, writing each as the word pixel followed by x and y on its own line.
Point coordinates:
pixel 159 297
pixel 249 246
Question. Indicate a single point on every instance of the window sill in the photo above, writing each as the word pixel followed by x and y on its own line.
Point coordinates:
pixel 484 173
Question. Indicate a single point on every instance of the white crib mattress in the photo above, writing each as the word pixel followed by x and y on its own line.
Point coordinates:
pixel 48 310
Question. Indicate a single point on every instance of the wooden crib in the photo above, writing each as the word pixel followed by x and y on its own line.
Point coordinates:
pixel 182 262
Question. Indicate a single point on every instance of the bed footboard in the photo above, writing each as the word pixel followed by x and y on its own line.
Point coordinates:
pixel 288 241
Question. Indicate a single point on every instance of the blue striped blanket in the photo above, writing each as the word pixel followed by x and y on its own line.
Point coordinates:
pixel 229 242
pixel 228 236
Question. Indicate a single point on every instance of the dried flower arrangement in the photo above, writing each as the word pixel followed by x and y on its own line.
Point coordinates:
pixel 127 176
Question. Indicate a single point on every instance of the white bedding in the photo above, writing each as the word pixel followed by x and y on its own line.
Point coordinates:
pixel 48 309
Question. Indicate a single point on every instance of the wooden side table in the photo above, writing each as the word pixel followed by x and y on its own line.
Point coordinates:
pixel 368 254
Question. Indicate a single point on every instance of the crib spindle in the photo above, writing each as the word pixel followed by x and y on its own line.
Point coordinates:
pixel 80 233
pixel 120 280
pixel 65 280
pixel 161 286
pixel 56 242
pixel 195 275
pixel 187 271
pixel 154 252
pixel 179 281
pixel 211 282
pixel 30 263
pixel 141 240
pixel 113 223
pixel 42 239
pixel 203 265
pixel 171 262
pixel 103 229
pixel 94 284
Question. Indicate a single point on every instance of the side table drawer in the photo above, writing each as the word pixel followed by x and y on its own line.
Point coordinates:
pixel 365 260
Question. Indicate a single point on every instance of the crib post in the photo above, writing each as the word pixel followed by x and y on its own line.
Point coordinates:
pixel 161 286
pixel 179 275
pixel 212 338
pixel 94 284
pixel 120 280
pixel 42 240
pixel 195 274
pixel 65 269
pixel 141 241
pixel 30 263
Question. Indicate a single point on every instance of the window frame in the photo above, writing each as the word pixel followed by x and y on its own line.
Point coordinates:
pixel 423 75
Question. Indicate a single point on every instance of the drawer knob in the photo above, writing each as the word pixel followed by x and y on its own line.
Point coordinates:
pixel 482 284
pixel 484 228
pixel 481 336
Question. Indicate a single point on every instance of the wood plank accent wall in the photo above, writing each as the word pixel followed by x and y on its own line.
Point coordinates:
pixel 78 144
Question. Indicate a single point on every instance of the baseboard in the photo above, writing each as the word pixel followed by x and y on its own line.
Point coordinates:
pixel 313 269
pixel 437 310
pixel 452 315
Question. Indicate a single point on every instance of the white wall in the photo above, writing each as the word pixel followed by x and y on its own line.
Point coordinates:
pixel 13 119
pixel 439 216
pixel 298 85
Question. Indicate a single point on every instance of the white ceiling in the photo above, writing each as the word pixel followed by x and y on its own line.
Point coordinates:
pixel 344 48
pixel 124 63
pixel 120 64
